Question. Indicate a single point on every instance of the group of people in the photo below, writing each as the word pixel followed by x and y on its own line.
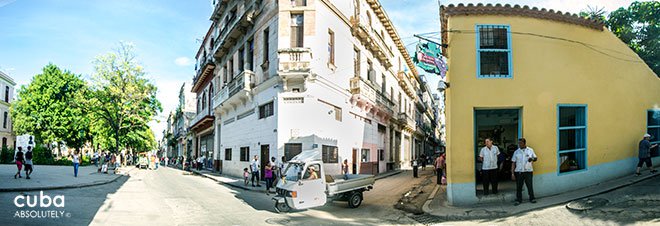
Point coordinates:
pixel 439 166
pixel 23 159
pixel 272 171
pixel 521 168
pixel 104 160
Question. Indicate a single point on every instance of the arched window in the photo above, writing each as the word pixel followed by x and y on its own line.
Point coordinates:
pixel 4 142
pixel 369 19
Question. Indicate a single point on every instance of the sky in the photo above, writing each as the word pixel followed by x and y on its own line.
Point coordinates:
pixel 166 35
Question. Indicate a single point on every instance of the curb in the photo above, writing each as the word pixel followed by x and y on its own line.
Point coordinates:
pixel 427 210
pixel 63 186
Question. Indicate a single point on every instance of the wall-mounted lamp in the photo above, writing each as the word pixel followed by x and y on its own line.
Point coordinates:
pixel 442 85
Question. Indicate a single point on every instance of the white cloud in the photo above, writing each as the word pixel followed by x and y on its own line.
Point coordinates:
pixel 183 61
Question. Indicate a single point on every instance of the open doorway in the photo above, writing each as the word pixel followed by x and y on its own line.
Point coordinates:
pixel 504 127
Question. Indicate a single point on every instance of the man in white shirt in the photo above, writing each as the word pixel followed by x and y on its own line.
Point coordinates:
pixel 488 155
pixel 522 170
pixel 254 168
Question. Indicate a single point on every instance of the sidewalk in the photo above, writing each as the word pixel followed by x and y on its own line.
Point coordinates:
pixel 239 182
pixel 436 204
pixel 55 177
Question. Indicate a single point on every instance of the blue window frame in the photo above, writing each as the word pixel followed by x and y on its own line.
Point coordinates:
pixel 494 51
pixel 653 128
pixel 571 138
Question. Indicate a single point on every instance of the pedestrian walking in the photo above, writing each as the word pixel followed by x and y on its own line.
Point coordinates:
pixel 76 163
pixel 274 167
pixel 28 163
pixel 268 175
pixel 254 170
pixel 18 157
pixel 414 165
pixel 488 156
pixel 422 159
pixel 522 170
pixel 438 169
pixel 645 154
pixel 246 175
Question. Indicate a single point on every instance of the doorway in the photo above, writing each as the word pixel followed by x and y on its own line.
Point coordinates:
pixel 504 127
pixel 354 160
pixel 265 158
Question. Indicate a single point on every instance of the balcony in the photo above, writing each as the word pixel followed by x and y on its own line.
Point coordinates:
pixel 372 40
pixel 369 98
pixel 294 66
pixel 236 28
pixel 236 91
pixel 406 122
pixel 406 84
pixel 203 120
pixel 204 73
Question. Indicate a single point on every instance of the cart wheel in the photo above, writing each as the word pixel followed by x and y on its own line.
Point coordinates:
pixel 355 200
pixel 282 207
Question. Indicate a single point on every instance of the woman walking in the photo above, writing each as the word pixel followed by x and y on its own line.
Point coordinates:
pixel 19 162
pixel 268 175
pixel 76 163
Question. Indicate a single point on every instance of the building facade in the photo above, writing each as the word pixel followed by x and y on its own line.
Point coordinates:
pixel 6 132
pixel 184 114
pixel 580 97
pixel 287 80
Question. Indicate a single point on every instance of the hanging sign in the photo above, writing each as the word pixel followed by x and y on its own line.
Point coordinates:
pixel 428 57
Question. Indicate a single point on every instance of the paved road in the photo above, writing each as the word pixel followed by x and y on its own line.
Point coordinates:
pixel 170 197
pixel 638 204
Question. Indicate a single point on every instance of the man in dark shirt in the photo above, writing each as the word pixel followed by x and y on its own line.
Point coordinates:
pixel 645 154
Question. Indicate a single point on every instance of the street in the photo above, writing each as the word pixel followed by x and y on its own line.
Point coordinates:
pixel 172 197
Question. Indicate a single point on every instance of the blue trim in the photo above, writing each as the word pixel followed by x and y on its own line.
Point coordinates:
pixel 508 50
pixel 576 150
pixel 648 127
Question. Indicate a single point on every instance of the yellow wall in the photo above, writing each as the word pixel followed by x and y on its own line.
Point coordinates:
pixel 547 72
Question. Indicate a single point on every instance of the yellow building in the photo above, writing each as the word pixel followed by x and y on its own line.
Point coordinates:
pixel 580 96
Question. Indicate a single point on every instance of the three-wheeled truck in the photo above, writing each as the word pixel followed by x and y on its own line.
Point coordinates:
pixel 304 184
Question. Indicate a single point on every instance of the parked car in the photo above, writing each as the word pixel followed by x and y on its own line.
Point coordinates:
pixel 299 190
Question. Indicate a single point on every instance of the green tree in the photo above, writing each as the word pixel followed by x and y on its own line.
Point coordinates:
pixel 639 27
pixel 49 108
pixel 124 101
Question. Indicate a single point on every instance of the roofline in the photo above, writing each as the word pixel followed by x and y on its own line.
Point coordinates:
pixel 385 20
pixel 6 77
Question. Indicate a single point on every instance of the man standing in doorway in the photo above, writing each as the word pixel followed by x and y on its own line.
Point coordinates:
pixel 254 168
pixel 645 154
pixel 488 156
pixel 522 170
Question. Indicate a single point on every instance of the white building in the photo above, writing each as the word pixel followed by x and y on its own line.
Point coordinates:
pixel 185 112
pixel 295 75
pixel 7 94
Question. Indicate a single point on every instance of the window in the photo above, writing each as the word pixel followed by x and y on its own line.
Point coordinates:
pixel 241 61
pixel 381 153
pixel 369 18
pixel 337 113
pixel 250 57
pixel 331 47
pixel 7 94
pixel 266 48
pixel 225 79
pixel 266 110
pixel 228 154
pixel 356 62
pixel 653 128
pixel 245 154
pixel 330 154
pixel 4 142
pixel 371 74
pixel 297 29
pixel 230 69
pixel 365 155
pixel 204 100
pixel 292 149
pixel 383 84
pixel 4 121
pixel 572 140
pixel 493 51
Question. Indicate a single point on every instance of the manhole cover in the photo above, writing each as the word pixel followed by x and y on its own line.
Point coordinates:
pixel 281 221
pixel 586 204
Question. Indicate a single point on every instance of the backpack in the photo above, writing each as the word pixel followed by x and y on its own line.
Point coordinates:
pixel 28 155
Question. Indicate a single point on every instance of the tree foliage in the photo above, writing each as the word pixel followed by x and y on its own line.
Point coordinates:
pixel 49 108
pixel 124 100
pixel 639 27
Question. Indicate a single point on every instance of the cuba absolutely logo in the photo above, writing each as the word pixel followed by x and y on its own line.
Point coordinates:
pixel 33 202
